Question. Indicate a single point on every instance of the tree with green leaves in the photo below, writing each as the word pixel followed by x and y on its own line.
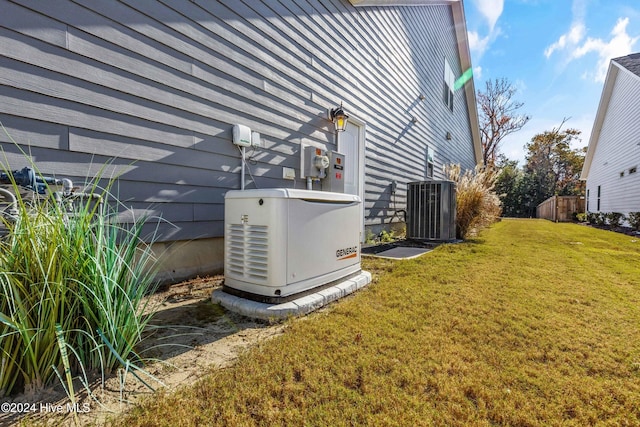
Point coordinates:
pixel 554 165
pixel 552 168
pixel 510 188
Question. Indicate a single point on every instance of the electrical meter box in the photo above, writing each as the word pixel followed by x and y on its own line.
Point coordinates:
pixel 334 181
pixel 316 162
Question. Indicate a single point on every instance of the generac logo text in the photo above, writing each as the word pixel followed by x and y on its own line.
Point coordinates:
pixel 346 253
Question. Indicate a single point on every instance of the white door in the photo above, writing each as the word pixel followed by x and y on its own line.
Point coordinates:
pixel 351 144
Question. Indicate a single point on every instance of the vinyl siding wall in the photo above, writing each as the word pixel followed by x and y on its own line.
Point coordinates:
pixel 618 151
pixel 153 89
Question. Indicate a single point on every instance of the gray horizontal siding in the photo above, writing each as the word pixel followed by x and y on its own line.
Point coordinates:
pixel 153 89
pixel 399 153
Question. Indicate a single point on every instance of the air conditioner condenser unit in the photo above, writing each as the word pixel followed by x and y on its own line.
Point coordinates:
pixel 281 243
pixel 431 210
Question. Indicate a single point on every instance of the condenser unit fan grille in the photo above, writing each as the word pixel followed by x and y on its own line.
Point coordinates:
pixel 431 210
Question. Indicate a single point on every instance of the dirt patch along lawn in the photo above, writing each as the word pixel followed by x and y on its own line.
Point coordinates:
pixel 188 336
pixel 532 323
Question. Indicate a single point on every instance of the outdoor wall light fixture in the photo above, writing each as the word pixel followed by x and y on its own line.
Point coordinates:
pixel 339 118
pixel 448 136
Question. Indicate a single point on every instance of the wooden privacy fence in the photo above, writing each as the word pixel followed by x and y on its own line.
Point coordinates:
pixel 560 208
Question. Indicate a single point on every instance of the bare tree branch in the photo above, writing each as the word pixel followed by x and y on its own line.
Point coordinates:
pixel 498 116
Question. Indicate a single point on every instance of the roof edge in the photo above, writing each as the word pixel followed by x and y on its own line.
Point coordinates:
pixel 624 68
pixel 603 105
pixel 464 54
pixel 362 3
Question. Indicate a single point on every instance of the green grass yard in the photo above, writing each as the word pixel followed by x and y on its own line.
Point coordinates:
pixel 531 324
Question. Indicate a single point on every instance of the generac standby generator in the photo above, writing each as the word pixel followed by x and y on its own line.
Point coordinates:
pixel 280 243
pixel 431 210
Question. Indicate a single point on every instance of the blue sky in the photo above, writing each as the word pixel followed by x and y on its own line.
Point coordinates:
pixel 555 52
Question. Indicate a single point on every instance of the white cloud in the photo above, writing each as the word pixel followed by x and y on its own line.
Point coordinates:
pixel 620 44
pixel 477 44
pixel 569 39
pixel 572 45
pixel 490 10
pixel 576 32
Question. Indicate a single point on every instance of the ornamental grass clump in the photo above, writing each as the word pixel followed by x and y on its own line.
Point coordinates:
pixel 72 274
pixel 477 206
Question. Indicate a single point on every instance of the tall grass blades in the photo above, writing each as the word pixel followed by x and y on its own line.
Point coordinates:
pixel 112 289
pixel 477 206
pixel 72 265
pixel 37 295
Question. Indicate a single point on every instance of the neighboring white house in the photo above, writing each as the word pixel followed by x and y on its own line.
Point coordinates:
pixel 154 88
pixel 612 163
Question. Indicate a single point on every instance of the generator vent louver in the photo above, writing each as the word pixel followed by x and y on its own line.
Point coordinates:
pixel 431 210
pixel 248 251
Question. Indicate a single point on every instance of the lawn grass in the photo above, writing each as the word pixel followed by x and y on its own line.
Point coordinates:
pixel 531 324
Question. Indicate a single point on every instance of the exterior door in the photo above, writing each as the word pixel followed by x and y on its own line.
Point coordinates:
pixel 351 144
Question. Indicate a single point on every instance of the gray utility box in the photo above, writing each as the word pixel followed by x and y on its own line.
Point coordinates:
pixel 431 210
pixel 334 181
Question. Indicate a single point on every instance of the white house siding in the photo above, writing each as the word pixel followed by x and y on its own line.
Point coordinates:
pixel 618 151
pixel 154 87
